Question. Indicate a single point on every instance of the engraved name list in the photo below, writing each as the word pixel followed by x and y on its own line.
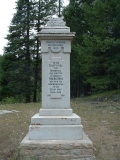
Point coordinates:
pixel 55 78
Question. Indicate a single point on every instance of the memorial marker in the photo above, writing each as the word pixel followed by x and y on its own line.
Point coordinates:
pixel 56 124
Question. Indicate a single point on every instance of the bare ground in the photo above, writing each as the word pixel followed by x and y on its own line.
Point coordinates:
pixel 100 119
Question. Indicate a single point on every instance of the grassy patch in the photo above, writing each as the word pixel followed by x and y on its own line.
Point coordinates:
pixel 105 96
pixel 100 119
pixel 101 122
pixel 14 126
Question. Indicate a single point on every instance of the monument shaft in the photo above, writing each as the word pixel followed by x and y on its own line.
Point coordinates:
pixel 55 42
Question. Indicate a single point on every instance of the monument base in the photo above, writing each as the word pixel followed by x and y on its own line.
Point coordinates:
pixel 55 132
pixel 55 128
pixel 55 112
pixel 56 149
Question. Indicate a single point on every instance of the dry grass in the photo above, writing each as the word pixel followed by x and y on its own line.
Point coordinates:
pixel 101 122
pixel 13 127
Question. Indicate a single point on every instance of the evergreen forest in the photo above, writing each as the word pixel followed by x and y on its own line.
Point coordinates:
pixel 95 55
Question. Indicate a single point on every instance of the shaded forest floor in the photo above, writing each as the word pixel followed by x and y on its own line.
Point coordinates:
pixel 100 117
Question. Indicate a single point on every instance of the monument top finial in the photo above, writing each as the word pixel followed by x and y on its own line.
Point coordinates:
pixel 55 25
pixel 57 21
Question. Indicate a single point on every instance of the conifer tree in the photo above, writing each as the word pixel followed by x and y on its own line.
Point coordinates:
pixel 95 60
pixel 103 42
pixel 74 17
pixel 21 51
pixel 20 43
pixel 44 9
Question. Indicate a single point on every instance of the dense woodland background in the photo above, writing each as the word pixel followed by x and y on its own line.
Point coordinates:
pixel 95 56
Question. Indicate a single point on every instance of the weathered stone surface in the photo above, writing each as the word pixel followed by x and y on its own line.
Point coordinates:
pixel 66 146
pixel 76 152
pixel 87 151
pixel 55 112
pixel 55 41
pixel 57 149
pixel 91 158
pixel 31 147
pixel 55 132
pixel 50 152
pixel 40 152
pixel 56 81
pixel 87 143
pixel 55 22
pixel 79 159
pixel 54 146
pixel 7 111
pixel 55 120
pixel 63 152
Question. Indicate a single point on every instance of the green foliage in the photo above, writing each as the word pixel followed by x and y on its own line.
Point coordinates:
pixel 0 78
pixel 103 43
pixel 21 62
pixel 95 59
pixel 13 100
pixel 74 17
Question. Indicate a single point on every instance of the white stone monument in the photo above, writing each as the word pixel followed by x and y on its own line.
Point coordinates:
pixel 56 132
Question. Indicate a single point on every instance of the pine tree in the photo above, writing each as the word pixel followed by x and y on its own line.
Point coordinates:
pixel 74 17
pixel 103 42
pixel 21 42
pixel 44 9
pixel 95 60
pixel 22 49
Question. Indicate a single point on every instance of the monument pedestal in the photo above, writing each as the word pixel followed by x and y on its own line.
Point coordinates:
pixel 57 149
pixel 55 128
pixel 56 132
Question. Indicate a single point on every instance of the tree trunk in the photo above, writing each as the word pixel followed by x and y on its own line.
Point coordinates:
pixel 36 74
pixel 28 57
pixel 37 61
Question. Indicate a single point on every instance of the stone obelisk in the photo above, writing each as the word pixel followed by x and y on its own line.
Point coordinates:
pixel 56 132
